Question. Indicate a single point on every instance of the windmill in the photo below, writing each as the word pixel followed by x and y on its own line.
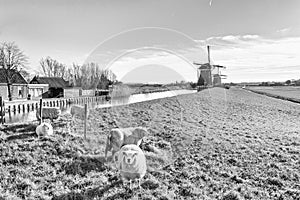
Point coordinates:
pixel 206 71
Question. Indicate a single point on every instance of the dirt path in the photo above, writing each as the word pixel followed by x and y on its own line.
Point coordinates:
pixel 215 144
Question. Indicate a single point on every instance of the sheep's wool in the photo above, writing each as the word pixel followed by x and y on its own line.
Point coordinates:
pixel 44 129
pixel 78 111
pixel 131 162
pixel 123 136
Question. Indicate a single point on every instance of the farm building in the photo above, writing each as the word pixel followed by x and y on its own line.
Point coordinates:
pixel 57 86
pixel 19 88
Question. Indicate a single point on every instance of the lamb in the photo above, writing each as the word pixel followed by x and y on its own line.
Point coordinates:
pixel 77 110
pixel 131 163
pixel 44 129
pixel 122 136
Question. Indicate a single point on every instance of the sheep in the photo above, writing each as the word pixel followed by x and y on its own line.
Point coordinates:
pixel 131 163
pixel 77 110
pixel 122 136
pixel 44 129
pixel 49 113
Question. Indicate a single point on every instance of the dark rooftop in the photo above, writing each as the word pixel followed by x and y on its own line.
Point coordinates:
pixel 54 82
pixel 17 78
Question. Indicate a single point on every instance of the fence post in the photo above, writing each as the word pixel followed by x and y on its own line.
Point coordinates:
pixel 41 111
pixel 1 104
pixel 85 120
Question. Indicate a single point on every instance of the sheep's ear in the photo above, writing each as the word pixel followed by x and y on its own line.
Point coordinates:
pixel 143 131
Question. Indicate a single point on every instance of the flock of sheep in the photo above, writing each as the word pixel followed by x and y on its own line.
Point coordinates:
pixel 123 143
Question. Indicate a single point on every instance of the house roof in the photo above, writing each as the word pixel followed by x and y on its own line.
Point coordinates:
pixel 17 78
pixel 54 82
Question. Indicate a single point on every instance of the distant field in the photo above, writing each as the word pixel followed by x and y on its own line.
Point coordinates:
pixel 284 91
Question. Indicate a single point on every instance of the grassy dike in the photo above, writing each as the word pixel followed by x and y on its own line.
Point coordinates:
pixel 214 144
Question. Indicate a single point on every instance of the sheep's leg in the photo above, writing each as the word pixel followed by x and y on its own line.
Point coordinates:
pixel 108 146
pixel 139 182
pixel 139 143
pixel 130 184
pixel 106 151
pixel 113 153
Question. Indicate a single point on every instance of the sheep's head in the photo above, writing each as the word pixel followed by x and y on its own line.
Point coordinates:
pixel 141 132
pixel 45 127
pixel 129 157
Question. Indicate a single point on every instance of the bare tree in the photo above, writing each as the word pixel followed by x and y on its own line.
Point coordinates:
pixel 26 75
pixel 90 76
pixel 12 59
pixel 52 68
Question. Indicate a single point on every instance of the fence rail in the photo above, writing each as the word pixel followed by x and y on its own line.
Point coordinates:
pixel 22 106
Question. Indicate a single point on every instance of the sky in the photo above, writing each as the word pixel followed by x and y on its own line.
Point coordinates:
pixel 257 40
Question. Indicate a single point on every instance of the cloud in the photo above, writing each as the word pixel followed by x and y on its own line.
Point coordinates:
pixel 233 41
pixel 284 30
pixel 256 58
pixel 133 60
pixel 250 37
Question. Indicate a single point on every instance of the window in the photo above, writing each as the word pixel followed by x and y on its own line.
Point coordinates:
pixel 20 91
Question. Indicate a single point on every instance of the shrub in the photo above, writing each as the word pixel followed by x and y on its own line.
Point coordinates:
pixel 121 91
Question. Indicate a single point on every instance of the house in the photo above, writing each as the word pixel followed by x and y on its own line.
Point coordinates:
pixel 19 89
pixel 56 86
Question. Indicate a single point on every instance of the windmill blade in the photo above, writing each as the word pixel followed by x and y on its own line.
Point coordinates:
pixel 219 66
pixel 197 63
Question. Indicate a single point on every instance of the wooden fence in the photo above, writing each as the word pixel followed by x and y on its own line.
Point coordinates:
pixel 31 105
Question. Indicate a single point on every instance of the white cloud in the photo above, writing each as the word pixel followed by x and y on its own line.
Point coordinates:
pixel 132 61
pixel 255 58
pixel 284 30
pixel 250 36
pixel 230 38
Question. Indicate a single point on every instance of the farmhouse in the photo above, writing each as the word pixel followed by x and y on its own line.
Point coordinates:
pixel 19 88
pixel 56 85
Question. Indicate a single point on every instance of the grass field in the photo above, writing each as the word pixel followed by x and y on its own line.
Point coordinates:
pixel 284 91
pixel 215 144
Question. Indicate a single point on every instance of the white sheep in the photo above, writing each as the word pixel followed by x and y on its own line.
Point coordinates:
pixel 49 113
pixel 78 111
pixel 122 136
pixel 131 163
pixel 44 129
